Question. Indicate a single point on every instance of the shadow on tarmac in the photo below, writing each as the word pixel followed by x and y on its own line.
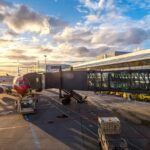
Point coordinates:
pixel 66 127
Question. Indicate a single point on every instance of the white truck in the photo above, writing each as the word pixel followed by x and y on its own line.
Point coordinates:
pixel 109 134
pixel 26 105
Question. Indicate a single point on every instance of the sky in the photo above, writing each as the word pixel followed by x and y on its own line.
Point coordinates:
pixel 70 31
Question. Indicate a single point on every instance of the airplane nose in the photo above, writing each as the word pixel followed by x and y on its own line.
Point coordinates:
pixel 24 88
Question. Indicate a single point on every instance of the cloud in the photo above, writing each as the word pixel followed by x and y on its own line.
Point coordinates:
pixel 92 5
pixel 68 49
pixel 44 50
pixel 11 33
pixel 8 36
pixel 23 19
pixel 4 42
pixel 92 18
pixel 109 36
pixel 103 29
pixel 1 17
pixel 73 35
pixel 16 52
pixel 98 9
pixel 81 9
pixel 35 39
pixel 89 52
pixel 129 37
pixel 112 27
pixel 4 4
pixel 101 3
pixel 19 54
pixel 95 7
pixel 21 57
pixel 138 4
pixel 89 44
pixel 56 24
pixel 82 52
pixel 104 26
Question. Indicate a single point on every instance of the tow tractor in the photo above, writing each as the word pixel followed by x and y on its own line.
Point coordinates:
pixel 26 105
pixel 109 137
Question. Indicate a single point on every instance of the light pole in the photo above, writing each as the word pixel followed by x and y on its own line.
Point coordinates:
pixel 18 68
pixel 38 65
pixel 35 67
pixel 45 63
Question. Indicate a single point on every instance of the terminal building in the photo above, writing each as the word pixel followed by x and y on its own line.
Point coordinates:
pixel 112 54
pixel 118 60
pixel 126 73
pixel 56 67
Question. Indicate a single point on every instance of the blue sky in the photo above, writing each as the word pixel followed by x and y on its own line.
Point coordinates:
pixel 71 30
pixel 65 9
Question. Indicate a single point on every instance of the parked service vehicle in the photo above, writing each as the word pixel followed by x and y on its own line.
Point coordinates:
pixel 109 134
pixel 26 105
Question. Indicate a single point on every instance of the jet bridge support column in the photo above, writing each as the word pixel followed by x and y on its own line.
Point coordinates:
pixel 60 85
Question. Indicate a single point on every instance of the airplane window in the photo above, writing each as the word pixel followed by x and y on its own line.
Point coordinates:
pixel 21 82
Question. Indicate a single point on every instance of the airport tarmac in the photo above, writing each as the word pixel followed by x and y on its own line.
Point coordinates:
pixel 49 129
pixel 72 127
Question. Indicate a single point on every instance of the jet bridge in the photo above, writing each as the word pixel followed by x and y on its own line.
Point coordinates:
pixel 132 81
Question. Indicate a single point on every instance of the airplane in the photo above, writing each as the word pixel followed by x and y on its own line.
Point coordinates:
pixel 21 85
pixel 27 102
pixel 26 99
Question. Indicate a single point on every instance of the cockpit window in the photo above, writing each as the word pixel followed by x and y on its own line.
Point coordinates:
pixel 23 82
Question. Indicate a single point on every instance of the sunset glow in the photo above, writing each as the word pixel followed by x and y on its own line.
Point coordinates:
pixel 69 31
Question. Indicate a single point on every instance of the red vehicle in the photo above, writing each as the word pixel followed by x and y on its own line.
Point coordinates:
pixel 21 85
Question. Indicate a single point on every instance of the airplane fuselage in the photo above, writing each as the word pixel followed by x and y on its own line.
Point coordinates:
pixel 21 85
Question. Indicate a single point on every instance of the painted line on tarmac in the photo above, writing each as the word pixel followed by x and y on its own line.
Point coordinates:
pixel 14 127
pixel 34 135
pixel 6 112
